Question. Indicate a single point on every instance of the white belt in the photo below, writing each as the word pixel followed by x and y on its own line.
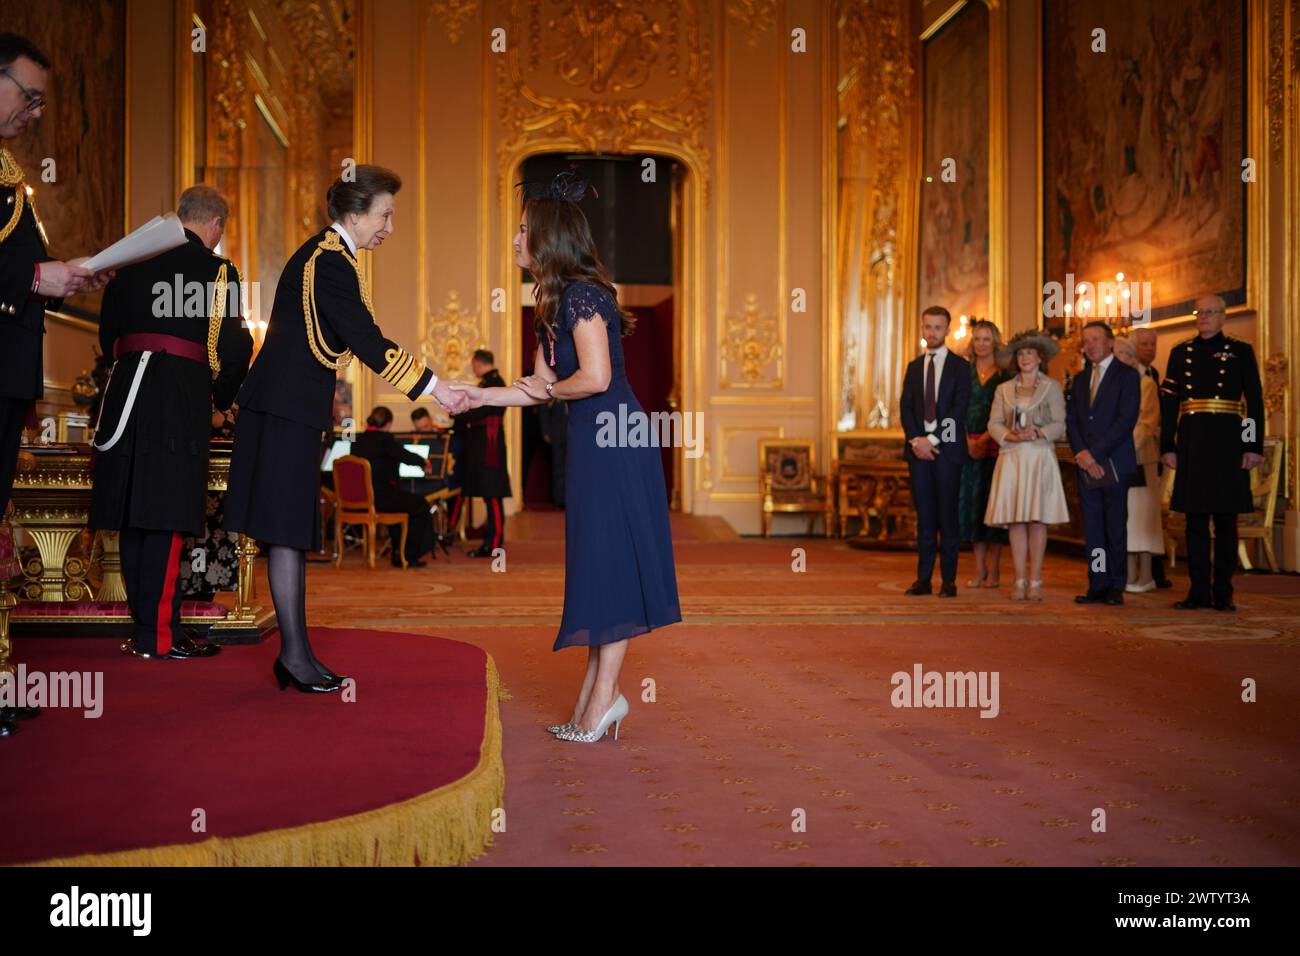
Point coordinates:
pixel 126 409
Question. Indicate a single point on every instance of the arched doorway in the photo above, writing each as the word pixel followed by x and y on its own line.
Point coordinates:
pixel 638 224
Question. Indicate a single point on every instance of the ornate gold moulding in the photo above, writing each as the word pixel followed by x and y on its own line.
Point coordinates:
pixel 51 506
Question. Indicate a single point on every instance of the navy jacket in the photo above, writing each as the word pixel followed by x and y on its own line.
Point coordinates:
pixel 952 401
pixel 1106 428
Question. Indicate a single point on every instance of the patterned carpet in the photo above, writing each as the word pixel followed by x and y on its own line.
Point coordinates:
pixel 771 738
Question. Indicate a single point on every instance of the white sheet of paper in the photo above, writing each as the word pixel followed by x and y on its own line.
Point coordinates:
pixel 156 236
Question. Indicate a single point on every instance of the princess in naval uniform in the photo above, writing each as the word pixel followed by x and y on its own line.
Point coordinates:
pixel 321 317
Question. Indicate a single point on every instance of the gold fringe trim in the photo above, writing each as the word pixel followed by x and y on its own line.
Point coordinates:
pixel 11 174
pixel 315 337
pixel 216 316
pixel 449 826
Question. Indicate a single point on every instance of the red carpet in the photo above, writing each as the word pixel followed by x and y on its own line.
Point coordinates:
pixel 218 736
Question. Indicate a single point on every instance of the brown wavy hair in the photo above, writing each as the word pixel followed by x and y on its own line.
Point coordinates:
pixel 562 251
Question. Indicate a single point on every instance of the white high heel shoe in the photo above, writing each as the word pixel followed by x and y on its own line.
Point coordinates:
pixel 614 716
pixel 560 728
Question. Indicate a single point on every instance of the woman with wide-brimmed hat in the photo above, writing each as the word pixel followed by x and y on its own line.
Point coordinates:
pixel 1027 417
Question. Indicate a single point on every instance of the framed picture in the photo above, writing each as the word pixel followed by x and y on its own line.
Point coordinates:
pixel 1144 121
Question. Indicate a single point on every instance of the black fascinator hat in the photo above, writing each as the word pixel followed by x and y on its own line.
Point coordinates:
pixel 567 186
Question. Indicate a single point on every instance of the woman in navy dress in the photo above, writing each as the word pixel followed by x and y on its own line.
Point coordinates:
pixel 619 576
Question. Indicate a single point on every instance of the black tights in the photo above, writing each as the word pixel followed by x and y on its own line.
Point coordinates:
pixel 287 570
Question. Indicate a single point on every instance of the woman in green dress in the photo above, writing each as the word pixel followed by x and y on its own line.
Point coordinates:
pixel 977 473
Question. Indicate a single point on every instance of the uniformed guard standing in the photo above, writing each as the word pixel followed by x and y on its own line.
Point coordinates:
pixel 483 474
pixel 1213 440
pixel 30 281
pixel 322 316
pixel 175 327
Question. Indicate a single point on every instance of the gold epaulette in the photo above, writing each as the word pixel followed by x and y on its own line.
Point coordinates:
pixel 403 370
pixel 216 316
pixel 332 360
pixel 11 174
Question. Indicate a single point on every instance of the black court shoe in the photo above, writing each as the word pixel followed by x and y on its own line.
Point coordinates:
pixel 285 678
pixel 330 677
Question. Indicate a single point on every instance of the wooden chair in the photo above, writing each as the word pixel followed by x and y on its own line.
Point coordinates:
pixel 1257 526
pixel 356 506
pixel 790 485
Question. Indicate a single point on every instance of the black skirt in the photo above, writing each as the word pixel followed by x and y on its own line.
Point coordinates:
pixel 274 492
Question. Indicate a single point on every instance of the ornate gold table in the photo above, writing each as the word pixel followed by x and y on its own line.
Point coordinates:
pixel 51 505
pixel 873 485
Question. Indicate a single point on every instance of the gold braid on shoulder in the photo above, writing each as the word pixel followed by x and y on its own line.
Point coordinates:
pixel 216 317
pixel 315 338
pixel 11 174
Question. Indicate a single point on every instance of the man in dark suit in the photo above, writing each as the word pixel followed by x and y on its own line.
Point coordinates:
pixel 1101 412
pixel 30 281
pixel 936 393
pixel 378 446
pixel 484 473
pixel 175 363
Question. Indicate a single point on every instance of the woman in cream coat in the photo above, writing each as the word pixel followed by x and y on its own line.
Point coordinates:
pixel 1145 536
pixel 1027 418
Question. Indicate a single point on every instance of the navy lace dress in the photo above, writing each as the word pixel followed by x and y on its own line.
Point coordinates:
pixel 619 576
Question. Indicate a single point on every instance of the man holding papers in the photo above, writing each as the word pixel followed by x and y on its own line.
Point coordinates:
pixel 30 282
pixel 174 325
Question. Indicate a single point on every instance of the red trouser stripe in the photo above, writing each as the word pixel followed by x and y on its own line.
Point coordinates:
pixel 168 593
pixel 498 519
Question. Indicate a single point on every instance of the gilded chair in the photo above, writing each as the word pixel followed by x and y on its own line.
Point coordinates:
pixel 9 568
pixel 1257 525
pixel 356 506
pixel 791 485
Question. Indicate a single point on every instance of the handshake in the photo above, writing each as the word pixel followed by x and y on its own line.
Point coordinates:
pixel 460 397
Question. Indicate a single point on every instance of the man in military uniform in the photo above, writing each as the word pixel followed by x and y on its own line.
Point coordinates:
pixel 30 281
pixel 175 326
pixel 483 474
pixel 1213 440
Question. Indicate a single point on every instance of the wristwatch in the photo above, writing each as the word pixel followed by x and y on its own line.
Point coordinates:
pixel 549 386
